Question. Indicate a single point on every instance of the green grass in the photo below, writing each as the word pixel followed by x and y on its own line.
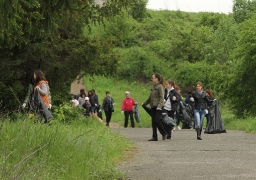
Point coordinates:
pixel 82 149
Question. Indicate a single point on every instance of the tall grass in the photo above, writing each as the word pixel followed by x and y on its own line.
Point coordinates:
pixel 83 149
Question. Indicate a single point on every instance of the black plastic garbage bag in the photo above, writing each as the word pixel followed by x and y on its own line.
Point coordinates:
pixel 136 113
pixel 215 124
pixel 167 121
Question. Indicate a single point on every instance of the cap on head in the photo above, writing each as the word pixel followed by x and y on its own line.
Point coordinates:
pixel 107 92
pixel 86 98
pixel 127 92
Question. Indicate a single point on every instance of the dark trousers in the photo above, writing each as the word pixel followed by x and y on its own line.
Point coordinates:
pixel 126 117
pixel 156 122
pixel 208 118
pixel 167 129
pixel 178 119
pixel 108 115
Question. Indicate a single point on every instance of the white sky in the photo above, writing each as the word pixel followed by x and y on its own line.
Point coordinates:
pixel 221 6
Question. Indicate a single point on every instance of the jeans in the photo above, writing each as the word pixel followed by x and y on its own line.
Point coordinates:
pixel 199 117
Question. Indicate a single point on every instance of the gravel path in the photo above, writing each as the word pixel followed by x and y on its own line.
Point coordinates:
pixel 230 155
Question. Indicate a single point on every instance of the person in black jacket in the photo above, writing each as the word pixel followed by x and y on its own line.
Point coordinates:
pixel 108 107
pixel 93 100
pixel 200 101
pixel 171 99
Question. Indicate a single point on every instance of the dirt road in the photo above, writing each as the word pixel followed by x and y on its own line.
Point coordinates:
pixel 226 156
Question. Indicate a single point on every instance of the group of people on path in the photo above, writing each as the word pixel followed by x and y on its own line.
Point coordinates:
pixel 167 100
pixel 91 104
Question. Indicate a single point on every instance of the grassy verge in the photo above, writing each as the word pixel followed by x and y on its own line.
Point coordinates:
pixel 81 149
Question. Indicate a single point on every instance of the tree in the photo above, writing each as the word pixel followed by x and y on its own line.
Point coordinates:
pixel 242 86
pixel 49 35
pixel 243 9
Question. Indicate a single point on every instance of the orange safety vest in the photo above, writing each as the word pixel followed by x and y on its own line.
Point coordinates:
pixel 44 98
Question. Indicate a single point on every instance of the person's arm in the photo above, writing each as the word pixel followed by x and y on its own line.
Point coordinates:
pixel 123 105
pixel 27 97
pixel 96 100
pixel 161 97
pixel 133 102
pixel 49 94
pixel 43 89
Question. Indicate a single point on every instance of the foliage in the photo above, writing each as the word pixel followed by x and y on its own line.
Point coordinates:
pixel 242 81
pixel 49 35
pixel 136 63
pixel 243 9
pixel 223 41
pixel 138 10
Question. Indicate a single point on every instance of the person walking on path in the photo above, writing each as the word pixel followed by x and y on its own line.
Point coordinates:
pixel 171 98
pixel 108 107
pixel 200 101
pixel 127 109
pixel 156 101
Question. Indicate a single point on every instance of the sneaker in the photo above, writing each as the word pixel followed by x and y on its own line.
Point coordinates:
pixel 174 128
pixel 179 128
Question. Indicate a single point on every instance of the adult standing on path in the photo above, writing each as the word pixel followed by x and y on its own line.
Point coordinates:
pixel 127 109
pixel 108 107
pixel 156 101
pixel 200 107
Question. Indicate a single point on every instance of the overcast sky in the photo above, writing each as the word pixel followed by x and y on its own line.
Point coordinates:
pixel 221 6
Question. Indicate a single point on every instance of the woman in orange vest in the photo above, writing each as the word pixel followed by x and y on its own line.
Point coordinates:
pixel 42 85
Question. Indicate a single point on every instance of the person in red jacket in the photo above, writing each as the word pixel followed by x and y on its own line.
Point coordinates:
pixel 127 109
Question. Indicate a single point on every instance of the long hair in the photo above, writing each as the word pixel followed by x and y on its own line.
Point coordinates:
pixel 210 93
pixel 171 82
pixel 39 76
pixel 160 78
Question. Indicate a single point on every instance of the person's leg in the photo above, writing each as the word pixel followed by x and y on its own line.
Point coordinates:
pixel 159 125
pixel 202 115
pixel 168 130
pixel 153 114
pixel 178 121
pixel 107 117
pixel 110 115
pixel 126 116
pixel 131 118
pixel 198 123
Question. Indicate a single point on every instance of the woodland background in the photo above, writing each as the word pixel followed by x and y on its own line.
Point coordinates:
pixel 124 40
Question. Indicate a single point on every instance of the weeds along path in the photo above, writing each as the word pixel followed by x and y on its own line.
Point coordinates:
pixel 230 155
